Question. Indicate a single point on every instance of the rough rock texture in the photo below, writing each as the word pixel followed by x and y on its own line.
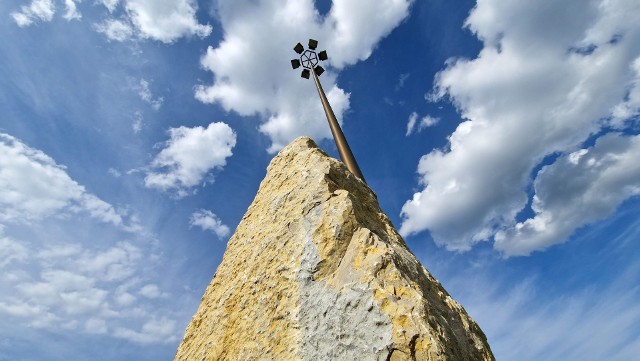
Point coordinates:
pixel 316 271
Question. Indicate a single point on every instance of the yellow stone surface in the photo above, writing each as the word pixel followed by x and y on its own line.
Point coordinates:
pixel 316 271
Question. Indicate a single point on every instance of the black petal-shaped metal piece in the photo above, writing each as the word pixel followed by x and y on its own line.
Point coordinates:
pixel 295 63
pixel 319 70
pixel 298 48
pixel 323 55
pixel 305 74
pixel 313 44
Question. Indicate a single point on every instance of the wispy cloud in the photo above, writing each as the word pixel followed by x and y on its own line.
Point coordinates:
pixel 110 4
pixel 401 80
pixel 114 29
pixel 49 280
pixel 71 12
pixel 43 11
pixel 425 122
pixel 36 187
pixel 523 322
pixel 69 286
pixel 137 124
pixel 161 328
pixel 142 87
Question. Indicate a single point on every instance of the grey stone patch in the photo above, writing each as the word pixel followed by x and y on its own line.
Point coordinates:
pixel 345 324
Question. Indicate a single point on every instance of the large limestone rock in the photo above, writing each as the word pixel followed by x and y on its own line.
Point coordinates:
pixel 315 271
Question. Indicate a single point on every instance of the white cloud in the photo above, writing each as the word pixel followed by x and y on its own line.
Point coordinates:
pixel 61 293
pixel 66 287
pixel 44 10
pixel 96 326
pixel 38 10
pixel 582 187
pixel 114 173
pixel 35 187
pixel 630 107
pixel 150 291
pixel 110 4
pixel 353 28
pixel 11 251
pixel 189 156
pixel 165 20
pixel 162 20
pixel 145 94
pixel 114 29
pixel 115 264
pixel 209 221
pixel 547 78
pixel 156 330
pixel 72 12
pixel 401 80
pixel 411 123
pixel 20 310
pixel 137 124
pixel 251 77
pixel 53 253
pixel 122 294
pixel 426 121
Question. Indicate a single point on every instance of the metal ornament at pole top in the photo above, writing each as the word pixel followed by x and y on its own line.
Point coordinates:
pixel 309 60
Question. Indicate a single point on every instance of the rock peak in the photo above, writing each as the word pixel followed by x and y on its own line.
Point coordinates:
pixel 302 141
pixel 316 271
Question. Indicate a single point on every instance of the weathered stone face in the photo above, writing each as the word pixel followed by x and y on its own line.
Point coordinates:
pixel 316 271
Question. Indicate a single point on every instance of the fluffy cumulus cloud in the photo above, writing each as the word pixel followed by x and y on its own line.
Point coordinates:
pixel 209 221
pixel 251 77
pixel 578 188
pixel 189 156
pixel 162 20
pixel 551 74
pixel 34 187
pixel 165 20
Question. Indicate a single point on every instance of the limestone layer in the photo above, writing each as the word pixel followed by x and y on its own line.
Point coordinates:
pixel 316 271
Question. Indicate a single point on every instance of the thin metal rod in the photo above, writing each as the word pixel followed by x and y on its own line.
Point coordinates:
pixel 341 142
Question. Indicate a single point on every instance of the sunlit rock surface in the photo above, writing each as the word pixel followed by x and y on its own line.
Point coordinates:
pixel 315 271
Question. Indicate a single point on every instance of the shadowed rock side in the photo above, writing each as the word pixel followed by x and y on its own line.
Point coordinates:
pixel 315 271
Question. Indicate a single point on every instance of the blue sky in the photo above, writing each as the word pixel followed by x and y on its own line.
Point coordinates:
pixel 500 136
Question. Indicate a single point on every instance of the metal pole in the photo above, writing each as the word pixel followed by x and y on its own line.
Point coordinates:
pixel 341 142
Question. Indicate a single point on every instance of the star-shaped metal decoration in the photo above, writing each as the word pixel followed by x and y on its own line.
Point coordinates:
pixel 309 59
